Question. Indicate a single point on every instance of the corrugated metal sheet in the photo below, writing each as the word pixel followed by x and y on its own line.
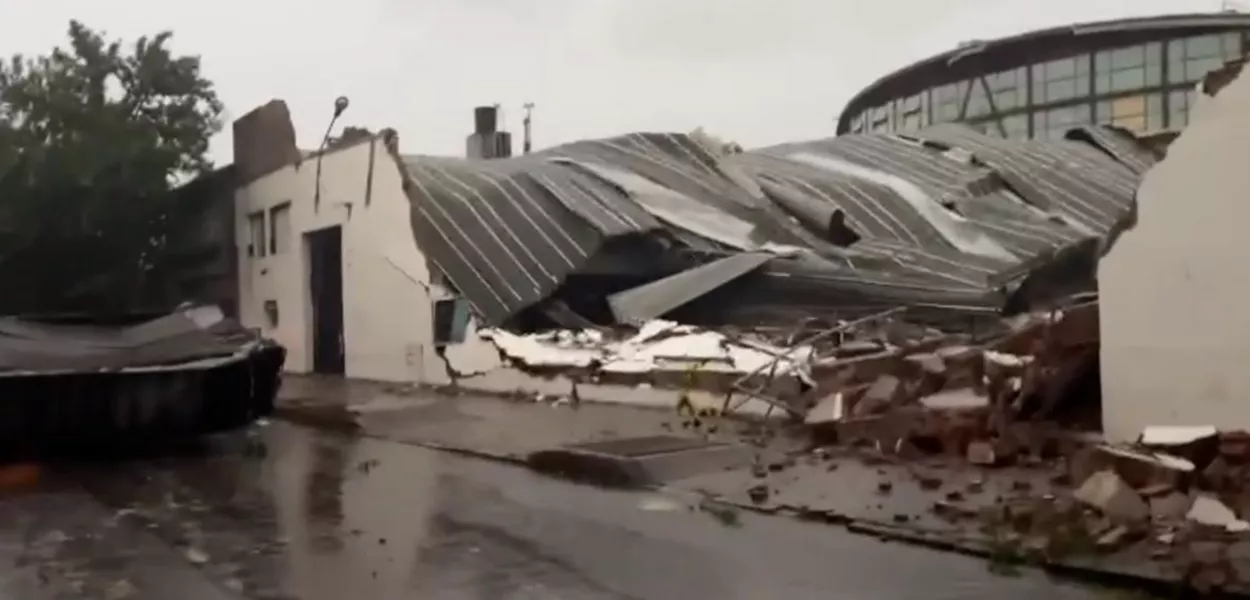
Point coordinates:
pixel 185 374
pixel 940 215
pixel 654 299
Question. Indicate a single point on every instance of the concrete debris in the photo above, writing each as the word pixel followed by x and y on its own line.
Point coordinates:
pixel 196 556
pixel 982 454
pixel 1108 493
pixel 1170 508
pixel 547 349
pixel 659 504
pixel 1113 538
pixel 829 410
pixel 1209 511
pixel 880 396
pixel 1146 468
pixel 657 347
pixel 1006 360
pixel 940 393
pixel 657 344
pixel 961 399
pixel 1160 435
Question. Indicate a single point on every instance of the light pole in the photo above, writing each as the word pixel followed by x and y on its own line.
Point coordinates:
pixel 340 105
pixel 526 143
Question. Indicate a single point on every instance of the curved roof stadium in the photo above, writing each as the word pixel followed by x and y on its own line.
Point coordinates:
pixel 1139 74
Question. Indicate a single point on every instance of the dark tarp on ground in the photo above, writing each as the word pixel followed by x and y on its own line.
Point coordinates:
pixel 184 336
pixel 943 216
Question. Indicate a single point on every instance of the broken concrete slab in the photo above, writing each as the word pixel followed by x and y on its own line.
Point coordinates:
pixel 884 393
pixel 956 399
pixel 982 453
pixel 1208 510
pixel 1112 496
pixel 1175 435
pixel 831 409
pixel 1146 468
pixel 658 345
pixel 1171 507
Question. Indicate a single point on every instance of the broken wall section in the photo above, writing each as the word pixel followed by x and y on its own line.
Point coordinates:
pixel 1174 290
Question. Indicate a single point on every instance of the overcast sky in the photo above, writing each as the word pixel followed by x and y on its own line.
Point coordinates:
pixel 755 71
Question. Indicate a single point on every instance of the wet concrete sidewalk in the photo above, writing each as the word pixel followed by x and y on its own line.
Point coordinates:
pixel 911 501
pixel 491 426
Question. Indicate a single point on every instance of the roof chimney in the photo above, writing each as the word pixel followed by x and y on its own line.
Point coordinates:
pixel 485 119
pixel 487 141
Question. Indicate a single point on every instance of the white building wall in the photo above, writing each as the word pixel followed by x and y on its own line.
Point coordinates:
pixel 387 307
pixel 1175 289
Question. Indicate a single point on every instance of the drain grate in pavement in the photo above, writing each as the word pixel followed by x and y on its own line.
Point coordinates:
pixel 639 461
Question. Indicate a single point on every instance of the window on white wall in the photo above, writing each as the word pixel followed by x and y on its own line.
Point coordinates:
pixel 256 234
pixel 280 228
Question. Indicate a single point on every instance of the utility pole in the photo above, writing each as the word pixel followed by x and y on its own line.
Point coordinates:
pixel 525 124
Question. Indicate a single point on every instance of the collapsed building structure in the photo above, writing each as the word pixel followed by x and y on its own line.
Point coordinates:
pixel 623 267
pixel 948 221
pixel 944 231
pixel 934 296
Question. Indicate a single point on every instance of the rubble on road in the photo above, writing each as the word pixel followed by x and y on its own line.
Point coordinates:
pixel 658 345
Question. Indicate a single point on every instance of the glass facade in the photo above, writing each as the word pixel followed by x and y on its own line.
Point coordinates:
pixel 1145 87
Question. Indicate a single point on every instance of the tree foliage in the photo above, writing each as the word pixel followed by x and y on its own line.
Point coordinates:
pixel 92 138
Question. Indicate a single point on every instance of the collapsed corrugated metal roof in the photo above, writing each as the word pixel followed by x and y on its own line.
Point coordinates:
pixel 945 218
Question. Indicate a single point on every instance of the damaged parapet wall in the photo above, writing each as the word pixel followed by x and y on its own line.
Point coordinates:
pixel 1175 289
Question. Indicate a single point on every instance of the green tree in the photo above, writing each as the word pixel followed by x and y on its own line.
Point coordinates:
pixel 93 138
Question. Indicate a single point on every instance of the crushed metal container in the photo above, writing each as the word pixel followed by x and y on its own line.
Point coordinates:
pixel 70 382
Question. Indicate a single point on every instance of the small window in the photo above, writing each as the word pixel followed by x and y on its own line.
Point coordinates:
pixel 451 321
pixel 256 234
pixel 1154 53
pixel 1154 74
pixel 1127 80
pixel 1007 88
pixel 1138 113
pixel 1154 112
pixel 947 101
pixel 1064 89
pixel 1203 45
pixel 1064 68
pixel 1232 45
pixel 1016 126
pixel 280 228
pixel 978 101
pixel 1055 122
pixel 1123 58
pixel 1178 107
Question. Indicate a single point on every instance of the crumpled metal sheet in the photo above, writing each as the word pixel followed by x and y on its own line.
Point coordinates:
pixel 195 334
pixel 661 296
pixel 937 217
pixel 75 387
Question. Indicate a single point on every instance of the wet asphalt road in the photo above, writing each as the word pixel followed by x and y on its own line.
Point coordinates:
pixel 290 512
